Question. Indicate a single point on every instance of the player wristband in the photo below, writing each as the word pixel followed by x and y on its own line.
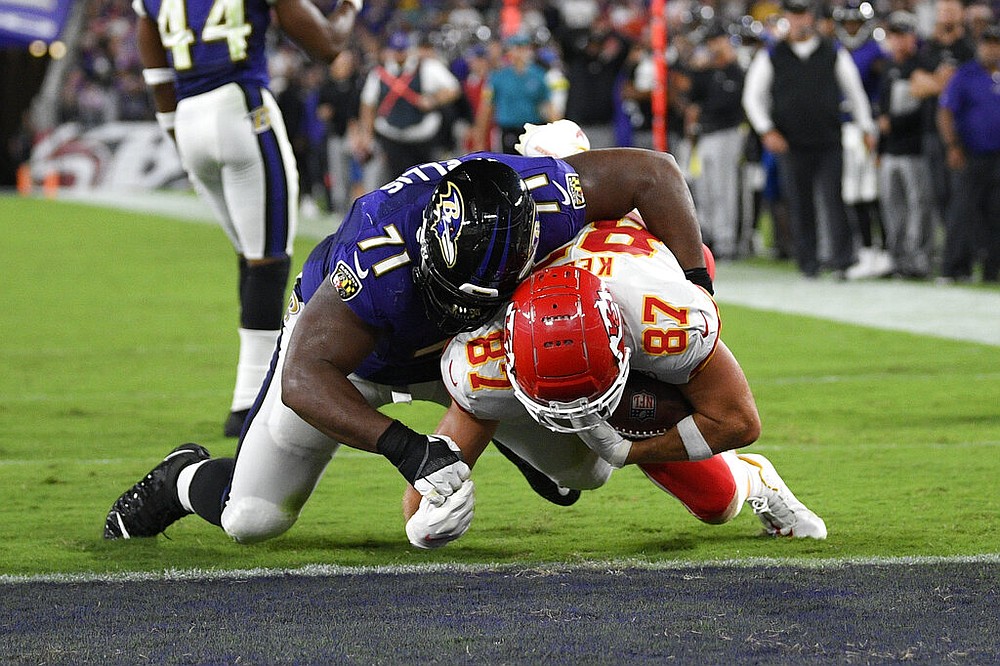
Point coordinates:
pixel 154 76
pixel 694 442
pixel 413 454
pixel 701 278
pixel 167 120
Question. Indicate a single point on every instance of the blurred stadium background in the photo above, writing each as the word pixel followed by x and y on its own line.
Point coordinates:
pixel 77 118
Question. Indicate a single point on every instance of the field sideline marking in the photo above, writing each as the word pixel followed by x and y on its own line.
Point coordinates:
pixel 883 304
pixel 32 398
pixel 893 305
pixel 517 570
pixel 346 452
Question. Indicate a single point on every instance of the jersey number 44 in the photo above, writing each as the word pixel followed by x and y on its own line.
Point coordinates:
pixel 226 22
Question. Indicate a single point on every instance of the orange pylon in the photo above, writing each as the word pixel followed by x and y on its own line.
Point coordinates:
pixel 50 186
pixel 24 179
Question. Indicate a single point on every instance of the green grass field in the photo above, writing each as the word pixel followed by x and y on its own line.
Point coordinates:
pixel 119 342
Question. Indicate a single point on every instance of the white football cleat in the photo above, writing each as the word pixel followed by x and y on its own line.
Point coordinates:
pixel 778 509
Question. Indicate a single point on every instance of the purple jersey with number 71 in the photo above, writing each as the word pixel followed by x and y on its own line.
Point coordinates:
pixel 370 259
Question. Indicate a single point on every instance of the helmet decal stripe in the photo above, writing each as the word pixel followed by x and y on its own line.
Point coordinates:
pixel 494 263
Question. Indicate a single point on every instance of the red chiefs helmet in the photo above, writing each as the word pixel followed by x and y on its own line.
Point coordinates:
pixel 564 341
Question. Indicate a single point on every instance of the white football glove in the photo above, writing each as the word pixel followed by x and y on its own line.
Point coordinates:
pixel 438 485
pixel 433 526
pixel 358 4
pixel 561 138
pixel 605 441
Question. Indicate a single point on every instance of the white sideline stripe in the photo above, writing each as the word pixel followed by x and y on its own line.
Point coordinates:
pixel 945 311
pixel 515 570
pixel 346 452
pixel 838 379
pixel 30 398
pixel 186 207
pixel 971 314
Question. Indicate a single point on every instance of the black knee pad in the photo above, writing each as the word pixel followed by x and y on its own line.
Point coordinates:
pixel 262 294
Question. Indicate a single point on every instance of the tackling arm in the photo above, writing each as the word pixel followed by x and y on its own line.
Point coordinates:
pixel 325 346
pixel 616 180
pixel 327 343
pixel 430 525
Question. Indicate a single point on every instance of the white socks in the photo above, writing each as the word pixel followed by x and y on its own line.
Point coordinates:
pixel 746 476
pixel 184 484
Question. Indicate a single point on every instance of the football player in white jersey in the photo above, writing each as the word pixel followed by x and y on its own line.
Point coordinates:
pixel 205 61
pixel 612 300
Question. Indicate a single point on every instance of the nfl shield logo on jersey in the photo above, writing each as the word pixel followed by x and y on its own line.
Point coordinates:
pixel 449 210
pixel 575 190
pixel 643 406
pixel 345 281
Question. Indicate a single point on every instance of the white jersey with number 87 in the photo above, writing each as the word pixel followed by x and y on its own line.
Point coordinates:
pixel 672 324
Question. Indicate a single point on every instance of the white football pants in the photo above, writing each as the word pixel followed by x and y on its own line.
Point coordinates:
pixel 234 147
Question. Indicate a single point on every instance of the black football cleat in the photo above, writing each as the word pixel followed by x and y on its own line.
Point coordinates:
pixel 233 426
pixel 539 481
pixel 151 505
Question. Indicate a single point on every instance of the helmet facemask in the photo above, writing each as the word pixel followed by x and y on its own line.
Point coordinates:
pixel 455 310
pixel 580 414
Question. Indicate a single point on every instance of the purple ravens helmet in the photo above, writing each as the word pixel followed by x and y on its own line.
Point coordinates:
pixel 477 242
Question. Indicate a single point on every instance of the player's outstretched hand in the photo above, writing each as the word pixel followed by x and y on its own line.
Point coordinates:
pixel 433 526
pixel 443 472
pixel 605 441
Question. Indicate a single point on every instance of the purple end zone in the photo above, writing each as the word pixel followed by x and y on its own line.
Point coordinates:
pixel 768 614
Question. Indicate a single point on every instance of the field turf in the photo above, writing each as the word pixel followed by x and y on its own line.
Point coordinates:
pixel 119 343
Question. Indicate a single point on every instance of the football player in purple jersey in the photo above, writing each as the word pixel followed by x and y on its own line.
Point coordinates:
pixel 206 65
pixel 438 250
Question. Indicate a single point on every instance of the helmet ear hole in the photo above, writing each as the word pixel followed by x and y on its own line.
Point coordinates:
pixel 477 242
pixel 565 348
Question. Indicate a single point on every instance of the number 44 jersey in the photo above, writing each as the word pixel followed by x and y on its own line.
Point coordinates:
pixel 210 43
pixel 672 325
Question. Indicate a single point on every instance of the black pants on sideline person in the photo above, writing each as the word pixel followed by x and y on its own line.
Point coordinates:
pixel 808 175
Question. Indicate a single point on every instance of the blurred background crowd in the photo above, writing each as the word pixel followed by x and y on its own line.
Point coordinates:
pixel 591 61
